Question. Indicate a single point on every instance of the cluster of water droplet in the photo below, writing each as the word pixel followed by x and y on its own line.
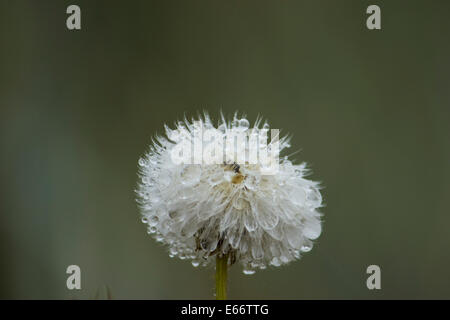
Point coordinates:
pixel 200 211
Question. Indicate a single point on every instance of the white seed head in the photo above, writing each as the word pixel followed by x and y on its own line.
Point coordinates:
pixel 255 216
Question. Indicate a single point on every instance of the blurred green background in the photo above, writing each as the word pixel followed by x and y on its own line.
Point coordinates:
pixel 369 110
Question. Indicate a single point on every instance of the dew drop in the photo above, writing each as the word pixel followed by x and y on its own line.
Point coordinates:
pixel 204 244
pixel 222 127
pixel 306 248
pixel 257 251
pixel 174 215
pixel 142 162
pixel 174 135
pixel 195 263
pixel 153 222
pixel 144 220
pixel 244 123
pixel 248 271
pixel 275 262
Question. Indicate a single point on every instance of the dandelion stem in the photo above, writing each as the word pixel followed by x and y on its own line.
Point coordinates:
pixel 221 276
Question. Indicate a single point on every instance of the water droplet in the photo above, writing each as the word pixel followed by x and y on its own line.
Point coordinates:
pixel 248 271
pixel 275 262
pixel 257 251
pixel 153 222
pixel 144 220
pixel 152 230
pixel 222 127
pixel 250 222
pixel 204 244
pixel 195 263
pixel 174 135
pixel 306 248
pixel 175 215
pixel 244 123
pixel 312 229
pixel 142 162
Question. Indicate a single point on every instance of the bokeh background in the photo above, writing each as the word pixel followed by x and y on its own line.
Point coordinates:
pixel 369 110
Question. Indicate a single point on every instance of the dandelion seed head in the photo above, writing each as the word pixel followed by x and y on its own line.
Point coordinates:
pixel 257 217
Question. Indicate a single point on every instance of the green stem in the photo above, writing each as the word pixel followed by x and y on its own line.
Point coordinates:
pixel 221 276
